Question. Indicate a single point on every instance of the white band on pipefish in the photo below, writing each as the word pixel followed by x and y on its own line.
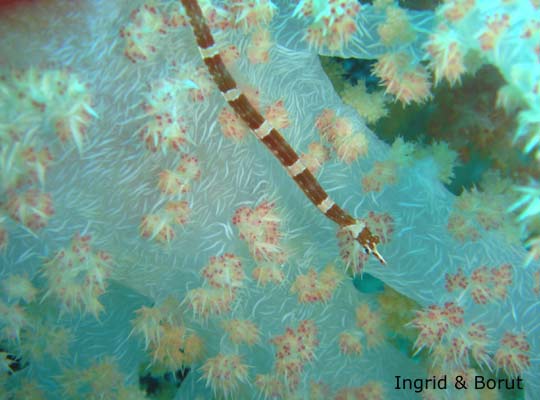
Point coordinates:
pixel 231 94
pixel 264 130
pixel 325 205
pixel 297 168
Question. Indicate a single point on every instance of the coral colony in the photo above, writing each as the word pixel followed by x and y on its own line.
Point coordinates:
pixel 188 209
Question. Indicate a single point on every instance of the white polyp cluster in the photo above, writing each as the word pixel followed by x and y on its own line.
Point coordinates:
pixel 77 276
pixel 223 277
pixel 313 287
pixel 252 13
pixel 180 179
pixel 142 34
pixel 224 373
pixel 334 21
pixel 351 251
pixel 260 228
pixel 159 226
pixel 224 271
pixel 339 132
pixel 166 127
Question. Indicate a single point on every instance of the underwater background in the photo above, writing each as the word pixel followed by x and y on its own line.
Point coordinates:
pixel 151 247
